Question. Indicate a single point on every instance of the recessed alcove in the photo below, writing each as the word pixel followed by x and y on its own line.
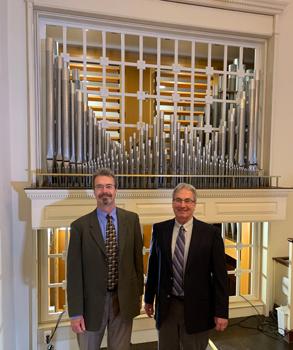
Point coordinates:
pixel 58 208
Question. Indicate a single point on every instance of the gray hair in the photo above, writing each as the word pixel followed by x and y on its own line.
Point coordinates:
pixel 104 172
pixel 185 186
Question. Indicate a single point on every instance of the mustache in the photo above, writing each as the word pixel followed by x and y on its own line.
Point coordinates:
pixel 103 195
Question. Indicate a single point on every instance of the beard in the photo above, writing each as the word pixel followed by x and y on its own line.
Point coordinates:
pixel 106 198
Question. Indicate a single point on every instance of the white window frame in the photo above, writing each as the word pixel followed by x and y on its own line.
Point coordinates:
pixel 45 285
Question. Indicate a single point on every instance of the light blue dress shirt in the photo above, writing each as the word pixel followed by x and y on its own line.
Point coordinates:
pixel 102 218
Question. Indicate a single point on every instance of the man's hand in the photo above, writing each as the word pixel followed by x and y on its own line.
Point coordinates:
pixel 221 324
pixel 149 309
pixel 77 324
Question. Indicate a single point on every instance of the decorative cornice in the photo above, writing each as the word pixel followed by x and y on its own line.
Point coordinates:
pixel 265 7
pixel 58 208
pixel 58 194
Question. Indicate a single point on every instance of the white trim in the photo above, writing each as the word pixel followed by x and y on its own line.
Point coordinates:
pixel 164 14
pixel 58 208
pixel 265 7
pixel 57 194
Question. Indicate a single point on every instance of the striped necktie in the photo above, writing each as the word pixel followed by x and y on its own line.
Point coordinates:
pixel 112 254
pixel 178 263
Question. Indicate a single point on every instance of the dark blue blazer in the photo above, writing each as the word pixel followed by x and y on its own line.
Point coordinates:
pixel 205 279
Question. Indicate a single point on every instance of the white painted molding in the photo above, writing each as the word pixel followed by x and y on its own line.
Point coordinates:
pixel 35 194
pixel 265 7
pixel 58 208
pixel 166 15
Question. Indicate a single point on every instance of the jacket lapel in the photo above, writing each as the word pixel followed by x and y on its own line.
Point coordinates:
pixel 122 230
pixel 95 231
pixel 167 236
pixel 195 243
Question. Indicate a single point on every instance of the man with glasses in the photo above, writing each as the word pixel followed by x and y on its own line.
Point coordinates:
pixel 187 277
pixel 104 270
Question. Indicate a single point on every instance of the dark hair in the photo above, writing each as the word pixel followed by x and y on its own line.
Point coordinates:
pixel 104 172
pixel 186 186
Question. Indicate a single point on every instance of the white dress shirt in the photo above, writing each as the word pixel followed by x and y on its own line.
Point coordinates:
pixel 188 232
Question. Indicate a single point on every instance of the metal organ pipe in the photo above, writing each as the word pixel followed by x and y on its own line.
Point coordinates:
pixel 65 113
pixel 256 112
pixel 72 124
pixel 251 122
pixel 241 127
pixel 79 130
pixel 75 140
pixel 59 157
pixel 231 137
pixel 50 140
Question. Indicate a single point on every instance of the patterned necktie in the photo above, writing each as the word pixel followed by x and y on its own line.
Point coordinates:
pixel 178 263
pixel 112 254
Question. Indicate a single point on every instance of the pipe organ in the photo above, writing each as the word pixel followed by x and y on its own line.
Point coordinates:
pixel 218 152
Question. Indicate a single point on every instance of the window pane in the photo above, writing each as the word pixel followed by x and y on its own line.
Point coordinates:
pixel 184 53
pixel 113 46
pixel 94 44
pixel 167 52
pixel 131 48
pixel 245 283
pixel 55 32
pixel 150 50
pixel 218 56
pixel 248 58
pixel 57 300
pixel 201 55
pixel 75 42
pixel 56 270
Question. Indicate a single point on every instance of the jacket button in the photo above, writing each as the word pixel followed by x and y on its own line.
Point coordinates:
pixel 168 296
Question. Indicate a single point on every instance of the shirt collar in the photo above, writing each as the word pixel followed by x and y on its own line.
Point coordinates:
pixel 186 226
pixel 104 214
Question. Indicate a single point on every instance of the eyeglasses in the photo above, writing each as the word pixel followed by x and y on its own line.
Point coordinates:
pixel 185 200
pixel 107 187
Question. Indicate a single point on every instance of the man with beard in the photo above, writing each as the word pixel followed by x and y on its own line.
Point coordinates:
pixel 104 270
pixel 186 277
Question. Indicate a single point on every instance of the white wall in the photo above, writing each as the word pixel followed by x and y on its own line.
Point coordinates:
pixel 17 267
pixel 6 261
pixel 281 159
pixel 15 249
pixel 282 122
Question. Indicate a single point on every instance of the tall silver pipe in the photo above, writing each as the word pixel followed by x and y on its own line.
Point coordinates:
pixel 231 135
pixel 146 140
pixel 215 109
pixel 65 113
pixel 231 85
pixel 73 118
pixel 95 130
pixel 59 109
pixel 75 77
pixel 222 140
pixel 79 129
pixel 100 140
pixel 85 126
pixel 251 123
pixel 161 134
pixel 256 113
pixel 50 139
pixel 241 127
pixel 90 134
